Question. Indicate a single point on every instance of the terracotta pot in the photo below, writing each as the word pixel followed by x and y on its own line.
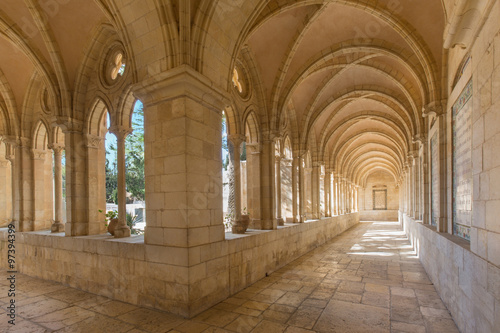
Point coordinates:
pixel 240 226
pixel 112 225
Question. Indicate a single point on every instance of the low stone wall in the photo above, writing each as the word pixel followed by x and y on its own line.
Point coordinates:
pixel 378 215
pixel 158 277
pixel 467 284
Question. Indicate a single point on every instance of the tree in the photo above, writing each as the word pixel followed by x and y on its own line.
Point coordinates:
pixel 134 156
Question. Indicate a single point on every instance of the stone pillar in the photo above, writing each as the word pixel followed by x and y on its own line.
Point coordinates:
pixel 308 204
pixel 183 165
pixel 24 177
pixel 234 142
pixel 302 190
pixel 315 188
pixel 121 133
pixel 295 188
pixel 267 185
pixel 5 192
pixel 58 225
pixel 286 188
pixel 336 201
pixel 40 184
pixel 277 172
pixel 253 184
pixel 14 183
pixel 327 187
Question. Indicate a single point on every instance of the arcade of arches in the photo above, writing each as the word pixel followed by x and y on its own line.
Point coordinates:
pixel 350 110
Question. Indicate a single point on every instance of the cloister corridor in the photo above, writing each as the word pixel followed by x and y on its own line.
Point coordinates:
pixel 368 279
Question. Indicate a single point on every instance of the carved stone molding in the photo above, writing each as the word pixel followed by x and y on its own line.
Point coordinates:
pixel 57 148
pixel 4 164
pixel 120 132
pixel 93 141
pixel 37 154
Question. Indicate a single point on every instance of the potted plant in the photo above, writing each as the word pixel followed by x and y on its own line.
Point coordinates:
pixel 111 220
pixel 240 226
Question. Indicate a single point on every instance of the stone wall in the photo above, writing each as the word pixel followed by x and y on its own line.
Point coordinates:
pixel 378 215
pixel 379 181
pixel 467 284
pixel 161 277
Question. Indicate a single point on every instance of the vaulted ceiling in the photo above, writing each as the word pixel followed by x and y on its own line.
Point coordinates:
pixel 352 77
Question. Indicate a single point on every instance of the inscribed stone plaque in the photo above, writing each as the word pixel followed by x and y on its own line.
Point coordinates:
pixel 434 179
pixel 462 163
pixel 379 199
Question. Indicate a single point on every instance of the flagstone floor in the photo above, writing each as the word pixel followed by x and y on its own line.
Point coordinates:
pixel 368 279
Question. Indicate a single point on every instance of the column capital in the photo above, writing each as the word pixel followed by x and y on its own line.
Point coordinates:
pixel 181 81
pixel 93 141
pixel 56 147
pixel 254 148
pixel 121 132
pixel 38 154
pixel 236 139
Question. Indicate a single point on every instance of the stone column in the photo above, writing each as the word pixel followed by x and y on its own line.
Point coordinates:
pixel 121 133
pixel 336 191
pixel 39 185
pixel 267 186
pixel 308 204
pixel 327 187
pixel 277 171
pixel 58 225
pixel 253 184
pixel 234 142
pixel 302 190
pixel 295 188
pixel 5 192
pixel 286 188
pixel 315 188
pixel 24 177
pixel 14 183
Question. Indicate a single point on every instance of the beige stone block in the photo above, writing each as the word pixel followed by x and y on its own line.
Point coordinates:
pixel 166 254
pixel 492 119
pixel 198 217
pixel 478 132
pixel 217 233
pixel 175 200
pixel 484 186
pixel 482 243
pixel 175 237
pixel 478 214
pixel 493 215
pixel 494 248
pixel 198 236
pixel 493 281
pixel 173 218
pixel 494 187
pixel 154 236
pixel 197 272
pixel 174 182
pixel 491 158
pixel 173 165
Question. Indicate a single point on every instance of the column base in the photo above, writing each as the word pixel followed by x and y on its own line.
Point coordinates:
pixel 57 227
pixel 122 232
pixel 280 221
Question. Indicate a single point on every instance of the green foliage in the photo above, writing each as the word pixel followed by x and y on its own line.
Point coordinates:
pixel 131 221
pixel 134 163
pixel 134 157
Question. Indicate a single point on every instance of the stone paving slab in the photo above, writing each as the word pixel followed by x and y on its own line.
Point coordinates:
pixel 367 279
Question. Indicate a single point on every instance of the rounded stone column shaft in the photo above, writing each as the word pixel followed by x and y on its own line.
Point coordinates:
pixel 234 155
pixel 58 226
pixel 122 230
pixel 295 194
pixel 277 162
